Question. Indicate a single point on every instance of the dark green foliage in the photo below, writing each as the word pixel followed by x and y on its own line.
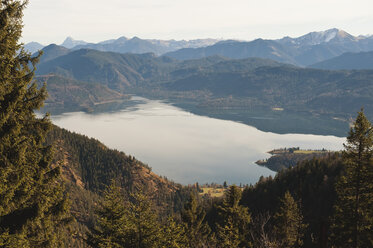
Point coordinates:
pixel 353 219
pixel 312 181
pixel 132 223
pixel 197 230
pixel 33 207
pixel 112 223
pixel 144 230
pixel 282 161
pixel 289 226
pixel 173 235
pixel 233 227
pixel 88 167
pixel 96 164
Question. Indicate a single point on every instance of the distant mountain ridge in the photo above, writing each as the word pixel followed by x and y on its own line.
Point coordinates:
pixel 120 71
pixel 137 45
pixel 305 50
pixel 348 61
pixel 260 48
pixel 33 47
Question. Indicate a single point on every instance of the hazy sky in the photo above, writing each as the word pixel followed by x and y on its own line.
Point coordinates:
pixel 51 21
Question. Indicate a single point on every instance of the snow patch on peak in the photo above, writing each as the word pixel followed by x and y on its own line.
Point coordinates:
pixel 316 38
pixel 328 36
pixel 70 42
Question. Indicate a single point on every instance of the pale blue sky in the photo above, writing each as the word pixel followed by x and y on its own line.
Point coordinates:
pixel 51 21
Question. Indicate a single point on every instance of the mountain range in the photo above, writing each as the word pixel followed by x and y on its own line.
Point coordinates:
pixel 126 45
pixel 215 84
pixel 137 45
pixel 305 50
pixel 302 51
pixel 123 71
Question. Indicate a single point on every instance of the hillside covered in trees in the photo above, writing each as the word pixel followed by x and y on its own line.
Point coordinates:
pixel 88 167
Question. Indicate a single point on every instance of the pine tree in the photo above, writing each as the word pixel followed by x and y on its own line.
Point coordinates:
pixel 173 235
pixel 353 217
pixel 235 218
pixel 193 217
pixel 228 234
pixel 144 230
pixel 289 226
pixel 32 203
pixel 112 223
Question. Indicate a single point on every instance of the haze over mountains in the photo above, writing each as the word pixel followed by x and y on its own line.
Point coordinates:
pixel 302 51
pixel 257 76
pixel 137 45
pixel 305 50
pixel 212 84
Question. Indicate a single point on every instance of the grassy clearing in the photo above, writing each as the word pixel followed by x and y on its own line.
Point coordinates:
pixel 308 151
pixel 213 192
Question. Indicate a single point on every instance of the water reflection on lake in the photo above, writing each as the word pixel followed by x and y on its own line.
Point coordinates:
pixel 185 147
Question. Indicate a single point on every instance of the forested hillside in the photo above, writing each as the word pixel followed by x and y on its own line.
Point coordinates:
pixel 348 61
pixel 68 95
pixel 88 168
pixel 312 184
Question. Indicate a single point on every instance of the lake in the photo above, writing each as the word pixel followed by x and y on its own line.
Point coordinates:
pixel 189 148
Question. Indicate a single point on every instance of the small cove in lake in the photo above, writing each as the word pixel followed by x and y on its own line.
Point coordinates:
pixel 189 148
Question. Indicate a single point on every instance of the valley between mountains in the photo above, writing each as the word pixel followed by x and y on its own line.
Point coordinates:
pixel 292 99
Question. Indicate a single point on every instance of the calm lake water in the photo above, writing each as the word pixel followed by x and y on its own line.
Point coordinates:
pixel 188 148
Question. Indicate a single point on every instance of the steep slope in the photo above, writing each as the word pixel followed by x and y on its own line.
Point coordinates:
pixel 88 166
pixel 111 69
pixel 348 61
pixel 53 51
pixel 92 166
